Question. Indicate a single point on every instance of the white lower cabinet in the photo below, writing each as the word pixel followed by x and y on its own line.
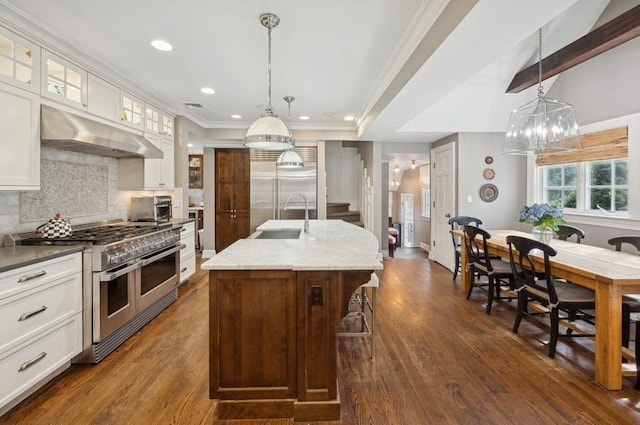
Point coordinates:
pixel 42 325
pixel 188 253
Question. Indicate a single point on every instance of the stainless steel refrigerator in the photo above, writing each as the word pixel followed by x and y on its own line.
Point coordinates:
pixel 272 186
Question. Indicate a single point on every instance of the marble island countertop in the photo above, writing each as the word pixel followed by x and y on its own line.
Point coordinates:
pixel 329 245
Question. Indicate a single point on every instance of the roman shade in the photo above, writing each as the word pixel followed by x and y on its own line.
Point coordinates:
pixel 605 144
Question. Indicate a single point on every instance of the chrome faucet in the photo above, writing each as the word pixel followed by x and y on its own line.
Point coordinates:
pixel 306 209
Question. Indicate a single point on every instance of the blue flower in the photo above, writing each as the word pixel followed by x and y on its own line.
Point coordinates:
pixel 542 215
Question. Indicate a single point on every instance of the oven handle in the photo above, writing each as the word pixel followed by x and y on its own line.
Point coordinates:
pixel 107 276
pixel 147 261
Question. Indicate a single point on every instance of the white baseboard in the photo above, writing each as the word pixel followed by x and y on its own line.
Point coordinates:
pixel 425 247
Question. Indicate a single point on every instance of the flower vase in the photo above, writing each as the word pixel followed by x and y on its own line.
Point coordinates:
pixel 542 234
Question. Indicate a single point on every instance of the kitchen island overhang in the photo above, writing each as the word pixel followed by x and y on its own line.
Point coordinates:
pixel 274 305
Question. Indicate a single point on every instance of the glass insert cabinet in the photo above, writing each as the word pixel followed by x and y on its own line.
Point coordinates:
pixel 195 171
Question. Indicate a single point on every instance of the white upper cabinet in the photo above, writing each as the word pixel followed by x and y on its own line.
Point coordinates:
pixel 19 62
pixel 132 110
pixel 63 81
pixel 103 99
pixel 159 173
pixel 20 141
pixel 152 121
pixel 167 126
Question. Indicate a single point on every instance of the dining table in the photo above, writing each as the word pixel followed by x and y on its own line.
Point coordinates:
pixel 608 272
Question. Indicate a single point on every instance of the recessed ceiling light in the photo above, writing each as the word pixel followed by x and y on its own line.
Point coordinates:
pixel 236 116
pixel 207 90
pixel 162 45
pixel 189 145
pixel 304 117
pixel 349 118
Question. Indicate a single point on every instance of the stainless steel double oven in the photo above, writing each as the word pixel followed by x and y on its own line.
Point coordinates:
pixel 128 289
pixel 130 274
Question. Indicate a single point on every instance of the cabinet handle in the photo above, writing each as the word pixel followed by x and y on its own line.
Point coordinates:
pixel 183 270
pixel 26 365
pixel 26 277
pixel 32 313
pixel 184 230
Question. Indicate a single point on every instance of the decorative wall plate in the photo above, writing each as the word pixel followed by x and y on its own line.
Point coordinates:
pixel 488 159
pixel 488 173
pixel 488 192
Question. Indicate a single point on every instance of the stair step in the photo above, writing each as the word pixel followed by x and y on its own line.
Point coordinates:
pixel 335 207
pixel 346 216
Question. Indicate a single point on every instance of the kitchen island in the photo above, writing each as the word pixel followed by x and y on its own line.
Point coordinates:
pixel 275 300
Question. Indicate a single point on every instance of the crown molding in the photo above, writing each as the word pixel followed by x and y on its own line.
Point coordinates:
pixel 422 22
pixel 44 36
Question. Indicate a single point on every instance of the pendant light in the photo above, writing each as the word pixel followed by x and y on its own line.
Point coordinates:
pixel 289 158
pixel 269 132
pixel 542 125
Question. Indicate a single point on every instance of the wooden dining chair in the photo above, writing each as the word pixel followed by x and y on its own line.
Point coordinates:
pixel 458 223
pixel 630 303
pixel 546 295
pixel 565 231
pixel 498 272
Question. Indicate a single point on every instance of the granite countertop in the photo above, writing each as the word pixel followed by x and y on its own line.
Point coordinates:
pixel 329 245
pixel 13 258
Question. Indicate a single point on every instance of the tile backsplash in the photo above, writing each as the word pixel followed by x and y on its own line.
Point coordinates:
pixel 80 186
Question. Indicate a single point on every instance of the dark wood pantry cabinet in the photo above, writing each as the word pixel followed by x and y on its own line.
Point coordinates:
pixel 232 180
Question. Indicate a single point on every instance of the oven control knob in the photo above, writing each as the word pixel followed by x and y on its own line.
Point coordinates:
pixel 112 258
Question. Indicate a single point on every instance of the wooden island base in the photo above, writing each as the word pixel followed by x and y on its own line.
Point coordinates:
pixel 273 341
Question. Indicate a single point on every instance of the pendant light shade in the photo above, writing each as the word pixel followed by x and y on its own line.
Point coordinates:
pixel 269 132
pixel 543 124
pixel 289 158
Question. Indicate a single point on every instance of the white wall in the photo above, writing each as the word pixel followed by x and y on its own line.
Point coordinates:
pixel 510 179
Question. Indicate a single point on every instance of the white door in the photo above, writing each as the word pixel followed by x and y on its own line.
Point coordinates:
pixel 443 183
pixel 406 214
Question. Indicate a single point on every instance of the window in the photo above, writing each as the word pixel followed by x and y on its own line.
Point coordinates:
pixel 593 180
pixel 560 184
pixel 426 202
pixel 588 187
pixel 607 185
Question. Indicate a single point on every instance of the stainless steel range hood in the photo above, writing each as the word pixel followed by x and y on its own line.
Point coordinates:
pixel 64 130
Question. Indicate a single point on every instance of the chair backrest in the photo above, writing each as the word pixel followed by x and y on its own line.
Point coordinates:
pixel 565 231
pixel 458 223
pixel 539 284
pixel 476 244
pixel 628 239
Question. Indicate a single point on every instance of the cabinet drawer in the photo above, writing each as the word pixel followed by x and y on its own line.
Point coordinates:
pixel 187 266
pixel 190 242
pixel 25 278
pixel 29 363
pixel 30 312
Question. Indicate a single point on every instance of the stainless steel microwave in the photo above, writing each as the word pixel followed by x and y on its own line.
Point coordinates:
pixel 150 208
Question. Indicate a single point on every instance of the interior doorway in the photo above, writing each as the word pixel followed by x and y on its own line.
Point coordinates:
pixel 406 220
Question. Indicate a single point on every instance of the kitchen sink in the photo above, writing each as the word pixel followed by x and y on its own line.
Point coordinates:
pixel 279 234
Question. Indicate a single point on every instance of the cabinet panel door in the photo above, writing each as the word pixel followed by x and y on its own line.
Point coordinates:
pixel 103 98
pixel 20 141
pixel 224 166
pixel 168 166
pixel 63 81
pixel 19 61
pixel 224 231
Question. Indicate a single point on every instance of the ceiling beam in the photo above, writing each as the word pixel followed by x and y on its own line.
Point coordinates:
pixel 615 32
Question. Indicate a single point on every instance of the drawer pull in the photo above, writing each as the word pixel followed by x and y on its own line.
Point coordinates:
pixel 26 365
pixel 183 270
pixel 32 313
pixel 184 230
pixel 26 277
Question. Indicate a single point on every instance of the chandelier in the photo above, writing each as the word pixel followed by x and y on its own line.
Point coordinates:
pixel 542 125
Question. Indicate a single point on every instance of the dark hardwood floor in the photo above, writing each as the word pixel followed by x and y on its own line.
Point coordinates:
pixel 439 359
